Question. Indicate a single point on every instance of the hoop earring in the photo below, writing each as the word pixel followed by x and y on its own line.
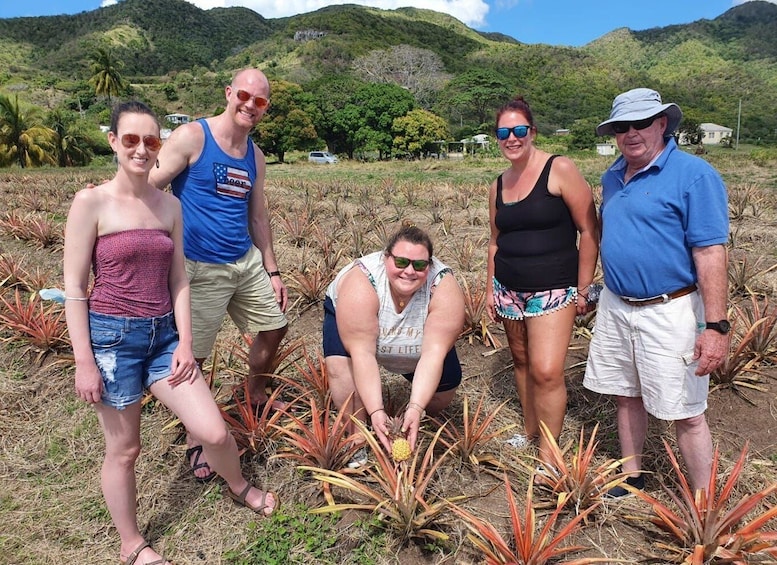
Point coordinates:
pixel 157 163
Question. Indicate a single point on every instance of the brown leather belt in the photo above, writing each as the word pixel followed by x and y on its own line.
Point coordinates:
pixel 663 298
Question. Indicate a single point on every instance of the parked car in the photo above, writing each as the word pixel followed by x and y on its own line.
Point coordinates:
pixel 321 157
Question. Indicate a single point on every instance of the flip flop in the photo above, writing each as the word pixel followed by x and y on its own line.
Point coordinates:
pixel 133 557
pixel 197 452
pixel 241 500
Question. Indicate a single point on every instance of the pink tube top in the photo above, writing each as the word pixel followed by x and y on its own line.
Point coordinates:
pixel 131 271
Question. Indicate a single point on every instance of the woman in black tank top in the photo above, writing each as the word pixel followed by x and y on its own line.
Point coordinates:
pixel 539 208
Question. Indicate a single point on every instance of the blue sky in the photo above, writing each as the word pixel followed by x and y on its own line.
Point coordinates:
pixel 556 22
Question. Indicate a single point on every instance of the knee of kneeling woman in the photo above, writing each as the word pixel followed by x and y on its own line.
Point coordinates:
pixel 440 401
pixel 343 388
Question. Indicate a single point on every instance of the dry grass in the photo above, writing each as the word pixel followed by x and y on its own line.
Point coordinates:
pixel 51 506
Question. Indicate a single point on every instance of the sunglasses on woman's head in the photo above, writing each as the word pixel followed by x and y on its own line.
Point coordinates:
pixel 403 262
pixel 623 127
pixel 517 131
pixel 151 142
pixel 260 102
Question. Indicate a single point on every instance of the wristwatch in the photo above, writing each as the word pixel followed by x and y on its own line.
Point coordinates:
pixel 722 327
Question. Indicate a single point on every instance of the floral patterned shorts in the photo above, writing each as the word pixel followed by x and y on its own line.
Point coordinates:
pixel 514 305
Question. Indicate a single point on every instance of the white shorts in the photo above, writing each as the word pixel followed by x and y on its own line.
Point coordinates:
pixel 647 351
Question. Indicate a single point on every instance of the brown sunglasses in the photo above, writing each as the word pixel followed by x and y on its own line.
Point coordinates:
pixel 151 142
pixel 261 103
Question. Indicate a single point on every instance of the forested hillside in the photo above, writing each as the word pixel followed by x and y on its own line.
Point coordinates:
pixel 150 36
pixel 177 57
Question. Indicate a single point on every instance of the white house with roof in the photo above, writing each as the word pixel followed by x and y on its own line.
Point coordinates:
pixel 712 134
pixel 605 148
pixel 178 119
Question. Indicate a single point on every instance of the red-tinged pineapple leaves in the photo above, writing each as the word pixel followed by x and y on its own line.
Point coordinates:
pixel 400 447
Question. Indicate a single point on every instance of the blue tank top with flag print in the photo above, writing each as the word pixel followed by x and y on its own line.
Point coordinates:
pixel 214 192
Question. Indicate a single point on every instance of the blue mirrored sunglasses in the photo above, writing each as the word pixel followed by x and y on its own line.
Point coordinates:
pixel 517 131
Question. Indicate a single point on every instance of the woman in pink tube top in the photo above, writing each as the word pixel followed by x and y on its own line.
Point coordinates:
pixel 133 331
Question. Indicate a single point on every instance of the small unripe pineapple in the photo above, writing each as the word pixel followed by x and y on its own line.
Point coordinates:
pixel 400 447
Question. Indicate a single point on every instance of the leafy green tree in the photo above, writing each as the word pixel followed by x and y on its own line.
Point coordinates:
pixel 368 118
pixel 72 145
pixel 24 138
pixel 475 95
pixel 287 125
pixel 582 134
pixel 170 91
pixel 346 123
pixel 106 73
pixel 80 97
pixel 331 94
pixel 417 132
pixel 690 130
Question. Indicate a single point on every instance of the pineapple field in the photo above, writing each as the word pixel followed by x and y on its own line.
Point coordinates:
pixel 465 495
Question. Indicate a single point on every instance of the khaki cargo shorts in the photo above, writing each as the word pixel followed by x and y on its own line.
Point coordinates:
pixel 241 289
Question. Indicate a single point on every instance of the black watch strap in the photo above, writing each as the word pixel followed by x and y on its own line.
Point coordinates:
pixel 722 327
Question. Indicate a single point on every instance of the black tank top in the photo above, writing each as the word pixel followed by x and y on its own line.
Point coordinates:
pixel 537 241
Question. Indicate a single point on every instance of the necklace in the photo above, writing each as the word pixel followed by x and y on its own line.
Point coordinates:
pixel 398 301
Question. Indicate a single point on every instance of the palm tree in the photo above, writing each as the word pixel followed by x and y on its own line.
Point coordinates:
pixel 23 136
pixel 72 144
pixel 106 71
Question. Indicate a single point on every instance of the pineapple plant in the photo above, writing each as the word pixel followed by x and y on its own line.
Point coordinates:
pixel 400 447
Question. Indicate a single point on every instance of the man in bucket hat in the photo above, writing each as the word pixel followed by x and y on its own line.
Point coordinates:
pixel 661 325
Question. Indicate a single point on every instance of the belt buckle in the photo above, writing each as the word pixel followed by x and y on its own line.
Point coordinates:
pixel 665 298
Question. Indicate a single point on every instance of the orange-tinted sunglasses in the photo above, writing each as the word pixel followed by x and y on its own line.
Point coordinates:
pixel 152 142
pixel 261 103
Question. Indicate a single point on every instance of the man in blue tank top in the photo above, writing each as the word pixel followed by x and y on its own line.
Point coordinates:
pixel 661 325
pixel 218 173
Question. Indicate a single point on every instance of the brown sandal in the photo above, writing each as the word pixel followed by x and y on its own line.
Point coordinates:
pixel 132 557
pixel 241 500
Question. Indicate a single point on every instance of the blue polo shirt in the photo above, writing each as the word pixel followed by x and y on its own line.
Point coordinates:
pixel 651 224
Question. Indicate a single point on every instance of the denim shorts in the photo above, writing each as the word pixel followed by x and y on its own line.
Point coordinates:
pixel 132 354
pixel 333 345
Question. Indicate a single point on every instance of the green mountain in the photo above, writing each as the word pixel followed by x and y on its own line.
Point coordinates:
pixel 151 36
pixel 706 66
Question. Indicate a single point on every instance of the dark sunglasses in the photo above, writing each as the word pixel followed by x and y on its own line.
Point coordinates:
pixel 403 262
pixel 623 127
pixel 260 102
pixel 517 131
pixel 152 142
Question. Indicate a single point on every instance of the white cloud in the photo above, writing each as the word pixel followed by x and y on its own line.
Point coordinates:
pixel 105 3
pixel 470 12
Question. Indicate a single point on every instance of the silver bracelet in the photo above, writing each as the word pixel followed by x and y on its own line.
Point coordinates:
pixel 77 298
pixel 418 407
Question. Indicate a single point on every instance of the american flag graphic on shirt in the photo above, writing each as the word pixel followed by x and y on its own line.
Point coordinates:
pixel 231 181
